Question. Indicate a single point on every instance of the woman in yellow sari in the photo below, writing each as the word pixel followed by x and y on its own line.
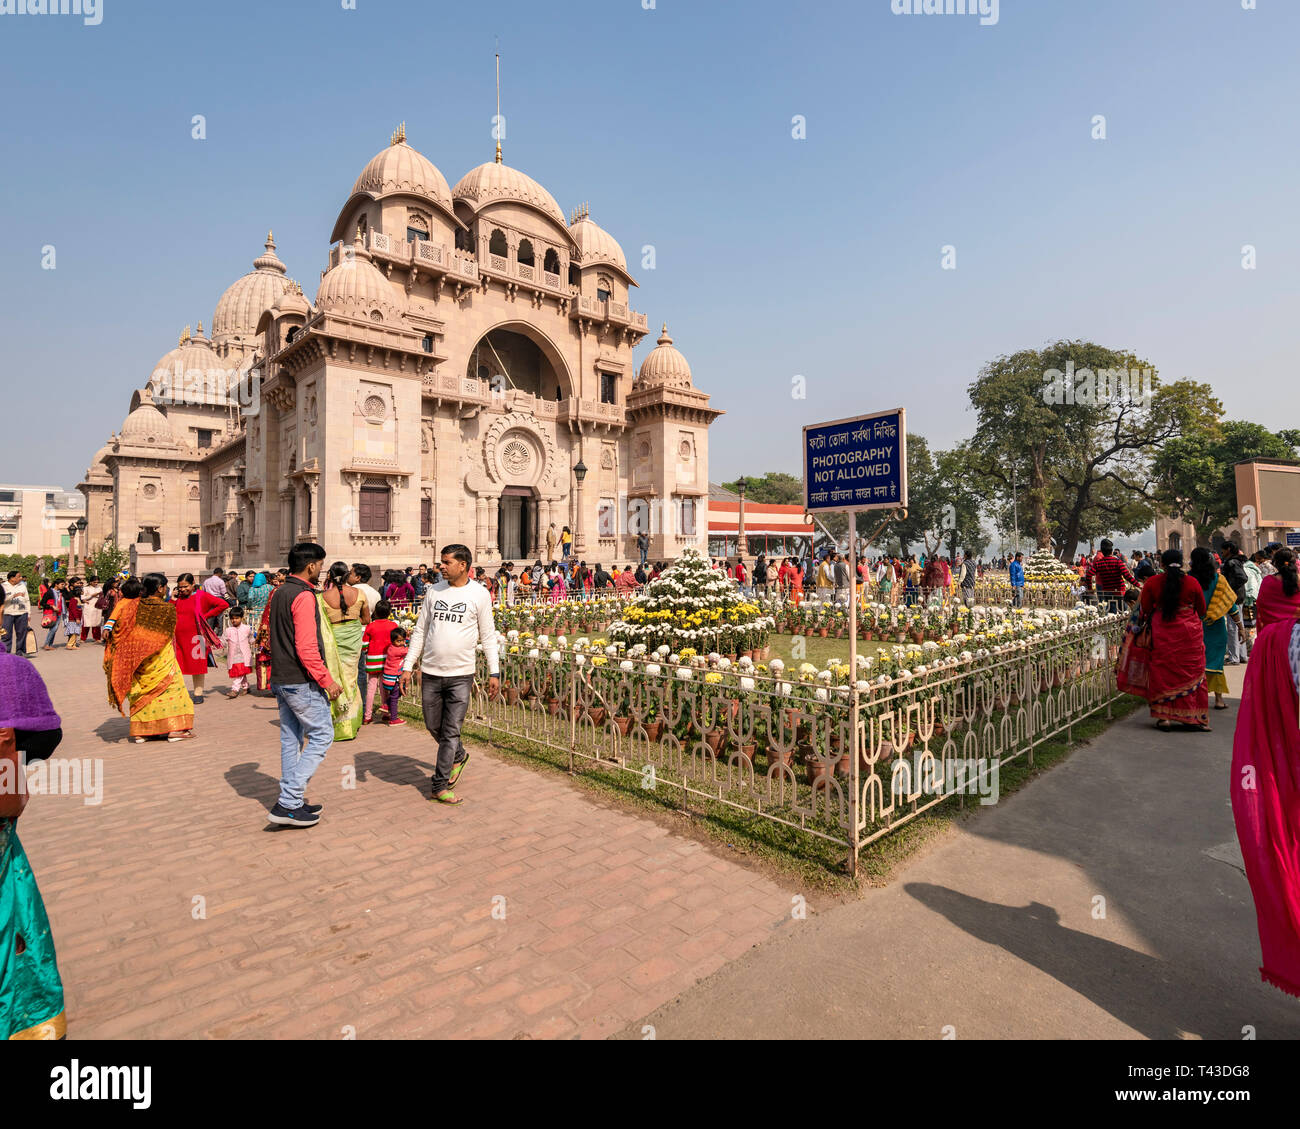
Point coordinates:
pixel 140 663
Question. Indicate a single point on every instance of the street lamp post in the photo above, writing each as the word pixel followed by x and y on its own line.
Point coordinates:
pixel 81 528
pixel 740 533
pixel 579 539
pixel 72 548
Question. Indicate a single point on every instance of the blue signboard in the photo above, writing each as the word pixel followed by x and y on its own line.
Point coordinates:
pixel 1293 540
pixel 856 464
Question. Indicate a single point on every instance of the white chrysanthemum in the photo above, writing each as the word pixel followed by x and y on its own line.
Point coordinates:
pixel 746 684
pixel 684 673
pixel 627 666
pixel 579 660
pixel 534 653
pixel 654 670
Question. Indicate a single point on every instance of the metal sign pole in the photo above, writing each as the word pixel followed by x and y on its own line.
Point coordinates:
pixel 854 839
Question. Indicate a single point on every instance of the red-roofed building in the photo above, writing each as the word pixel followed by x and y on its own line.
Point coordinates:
pixel 769 529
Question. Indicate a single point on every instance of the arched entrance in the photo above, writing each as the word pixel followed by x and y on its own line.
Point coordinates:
pixel 515 356
pixel 516 522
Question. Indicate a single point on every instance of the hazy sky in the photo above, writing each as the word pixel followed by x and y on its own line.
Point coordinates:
pixel 775 256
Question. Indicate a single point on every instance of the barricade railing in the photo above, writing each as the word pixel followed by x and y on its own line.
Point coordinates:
pixel 783 747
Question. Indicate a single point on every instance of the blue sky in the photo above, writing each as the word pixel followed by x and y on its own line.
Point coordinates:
pixel 775 257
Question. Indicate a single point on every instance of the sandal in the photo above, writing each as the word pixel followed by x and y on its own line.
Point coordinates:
pixel 187 735
pixel 1204 728
pixel 447 796
pixel 1221 707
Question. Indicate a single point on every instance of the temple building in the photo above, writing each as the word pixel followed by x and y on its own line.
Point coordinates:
pixel 463 373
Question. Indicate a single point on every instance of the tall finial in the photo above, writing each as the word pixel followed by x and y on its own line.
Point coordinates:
pixel 185 335
pixel 200 333
pixel 360 238
pixel 497 123
pixel 270 241
pixel 399 135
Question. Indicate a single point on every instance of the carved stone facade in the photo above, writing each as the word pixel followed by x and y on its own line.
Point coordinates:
pixel 467 355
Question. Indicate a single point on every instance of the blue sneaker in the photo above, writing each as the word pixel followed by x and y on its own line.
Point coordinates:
pixel 293 817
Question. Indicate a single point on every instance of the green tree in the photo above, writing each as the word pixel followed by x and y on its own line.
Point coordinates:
pixel 108 560
pixel 1076 442
pixel 1195 475
pixel 775 488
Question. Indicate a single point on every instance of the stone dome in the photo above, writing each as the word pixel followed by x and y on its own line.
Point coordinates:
pixel 193 371
pixel 146 426
pixel 401 169
pixel 355 288
pixel 665 365
pixel 597 245
pixel 493 183
pixel 245 300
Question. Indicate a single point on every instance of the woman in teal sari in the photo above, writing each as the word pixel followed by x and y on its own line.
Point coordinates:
pixel 346 612
pixel 1220 599
pixel 31 993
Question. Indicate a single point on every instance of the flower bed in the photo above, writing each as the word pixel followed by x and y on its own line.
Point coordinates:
pixel 777 740
pixel 693 605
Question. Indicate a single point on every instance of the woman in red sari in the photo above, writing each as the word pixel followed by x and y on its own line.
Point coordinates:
pixel 1265 790
pixel 194 638
pixel 1174 605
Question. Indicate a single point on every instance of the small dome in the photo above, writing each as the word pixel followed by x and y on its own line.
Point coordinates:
pixel 146 426
pixel 193 372
pixel 248 297
pixel 596 244
pixel 665 365
pixel 492 183
pixel 355 288
pixel 401 169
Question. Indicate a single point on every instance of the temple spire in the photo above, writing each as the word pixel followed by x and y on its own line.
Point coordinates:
pixel 497 123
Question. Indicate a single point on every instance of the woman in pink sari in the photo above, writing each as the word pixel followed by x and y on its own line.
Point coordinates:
pixel 1265 790
pixel 1279 595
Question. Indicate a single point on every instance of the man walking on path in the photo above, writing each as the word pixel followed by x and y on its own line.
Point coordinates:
pixel 1110 572
pixel 17 609
pixel 1234 573
pixel 1017 570
pixel 302 685
pixel 966 580
pixel 455 617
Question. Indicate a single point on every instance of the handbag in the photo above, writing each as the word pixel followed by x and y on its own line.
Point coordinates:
pixel 1133 667
pixel 49 619
pixel 13 781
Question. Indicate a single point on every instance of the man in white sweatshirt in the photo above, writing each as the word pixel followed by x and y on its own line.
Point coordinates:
pixel 455 617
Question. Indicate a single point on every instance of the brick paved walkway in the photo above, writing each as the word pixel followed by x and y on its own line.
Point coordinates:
pixel 380 918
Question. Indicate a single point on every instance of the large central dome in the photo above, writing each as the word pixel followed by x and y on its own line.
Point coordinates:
pixel 247 298
pixel 492 183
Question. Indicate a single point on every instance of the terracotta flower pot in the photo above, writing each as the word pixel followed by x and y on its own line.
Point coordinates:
pixel 598 716
pixel 654 730
pixel 823 632
pixel 818 770
pixel 512 695
pixel 554 705
pixel 747 751
pixel 779 756
pixel 715 739
pixel 624 724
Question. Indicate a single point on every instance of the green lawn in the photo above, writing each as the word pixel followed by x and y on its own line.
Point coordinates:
pixel 817 650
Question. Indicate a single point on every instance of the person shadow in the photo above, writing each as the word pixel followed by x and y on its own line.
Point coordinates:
pixel 113 730
pixel 1116 978
pixel 393 768
pixel 249 781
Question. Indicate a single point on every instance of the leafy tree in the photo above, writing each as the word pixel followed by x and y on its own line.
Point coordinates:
pixel 1078 448
pixel 1196 479
pixel 775 488
pixel 108 560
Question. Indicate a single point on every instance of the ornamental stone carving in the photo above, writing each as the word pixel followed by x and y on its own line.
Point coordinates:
pixel 517 452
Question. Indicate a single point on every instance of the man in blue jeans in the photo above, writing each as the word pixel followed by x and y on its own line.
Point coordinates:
pixel 455 617
pixel 302 685
pixel 1017 570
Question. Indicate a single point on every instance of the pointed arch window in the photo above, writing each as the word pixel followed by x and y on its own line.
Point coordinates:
pixel 497 243
pixel 525 253
pixel 551 263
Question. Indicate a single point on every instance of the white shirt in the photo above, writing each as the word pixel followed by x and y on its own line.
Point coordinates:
pixel 17 599
pixel 451 623
pixel 371 596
